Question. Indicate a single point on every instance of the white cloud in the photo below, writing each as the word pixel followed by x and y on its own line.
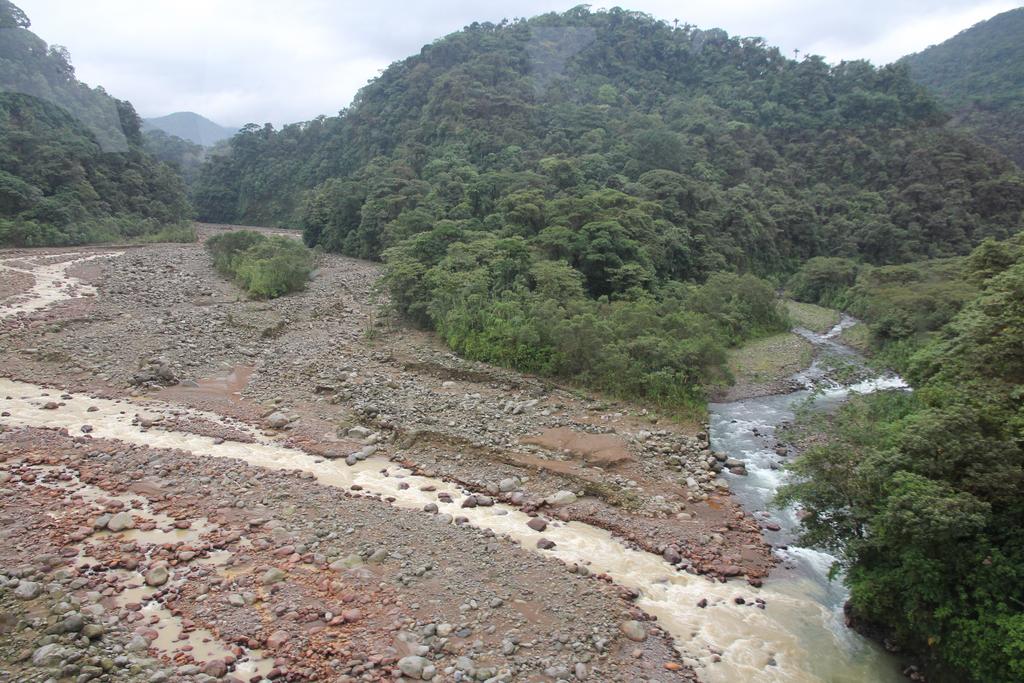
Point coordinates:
pixel 239 61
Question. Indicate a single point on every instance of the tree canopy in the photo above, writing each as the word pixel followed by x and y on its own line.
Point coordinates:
pixel 919 493
pixel 72 166
pixel 979 75
pixel 558 194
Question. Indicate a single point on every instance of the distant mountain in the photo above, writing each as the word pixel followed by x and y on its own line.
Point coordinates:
pixel 190 126
pixel 979 75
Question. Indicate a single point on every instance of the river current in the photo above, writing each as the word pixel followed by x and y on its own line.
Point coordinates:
pixel 798 637
pixel 746 430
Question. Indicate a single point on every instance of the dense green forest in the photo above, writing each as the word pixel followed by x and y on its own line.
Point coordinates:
pixel 919 493
pixel 72 164
pixel 979 75
pixel 531 185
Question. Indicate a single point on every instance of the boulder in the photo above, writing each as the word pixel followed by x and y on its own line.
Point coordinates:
pixel 561 498
pixel 634 630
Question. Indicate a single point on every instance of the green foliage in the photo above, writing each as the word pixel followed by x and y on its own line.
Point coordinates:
pixel 979 75
pixel 823 281
pixel 72 167
pixel 529 181
pixel 183 156
pixel 922 495
pixel 180 232
pixel 498 300
pixel 632 149
pixel 266 267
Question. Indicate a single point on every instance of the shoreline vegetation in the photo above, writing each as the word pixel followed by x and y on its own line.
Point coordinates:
pixel 918 493
pixel 264 266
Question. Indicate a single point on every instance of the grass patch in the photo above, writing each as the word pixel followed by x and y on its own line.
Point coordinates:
pixel 857 337
pixel 811 316
pixel 770 359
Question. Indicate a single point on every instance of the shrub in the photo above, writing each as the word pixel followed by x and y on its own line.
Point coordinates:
pixel 823 281
pixel 266 267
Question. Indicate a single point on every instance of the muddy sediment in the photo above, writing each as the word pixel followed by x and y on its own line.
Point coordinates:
pixel 321 371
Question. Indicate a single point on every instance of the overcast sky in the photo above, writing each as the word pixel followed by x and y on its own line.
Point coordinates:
pixel 240 61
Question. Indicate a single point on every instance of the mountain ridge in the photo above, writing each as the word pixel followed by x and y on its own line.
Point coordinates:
pixel 190 126
pixel 979 75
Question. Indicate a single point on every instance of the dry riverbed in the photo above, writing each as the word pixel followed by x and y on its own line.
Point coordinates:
pixel 366 591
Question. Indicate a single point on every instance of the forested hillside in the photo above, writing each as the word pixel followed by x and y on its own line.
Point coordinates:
pixel 512 175
pixel 72 166
pixel 182 155
pixel 979 75
pixel 760 160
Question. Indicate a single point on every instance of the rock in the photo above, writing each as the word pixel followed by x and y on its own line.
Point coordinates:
pixel 216 668
pixel 273 575
pixel 508 485
pixel 73 623
pixel 346 562
pixel 93 631
pixel 137 644
pixel 378 556
pixel 561 498
pixel 236 600
pixel 634 630
pixel 278 638
pixel 537 524
pixel 120 522
pixel 359 432
pixel 157 576
pixel 50 405
pixel 27 590
pixel 49 655
pixel 430 507
pixel 277 420
pixel 672 556
pixel 412 666
pixel 545 544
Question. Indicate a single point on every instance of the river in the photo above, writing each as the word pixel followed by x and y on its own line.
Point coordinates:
pixel 788 630
pixel 745 430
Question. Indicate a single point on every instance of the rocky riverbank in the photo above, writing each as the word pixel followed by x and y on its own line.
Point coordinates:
pixel 322 371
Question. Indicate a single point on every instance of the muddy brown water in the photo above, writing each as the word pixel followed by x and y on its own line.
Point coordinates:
pixel 792 639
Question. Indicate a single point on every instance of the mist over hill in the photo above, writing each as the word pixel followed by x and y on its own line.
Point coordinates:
pixel 72 166
pixel 190 126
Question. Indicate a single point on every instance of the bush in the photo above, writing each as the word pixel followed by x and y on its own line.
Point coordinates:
pixel 496 300
pixel 823 281
pixel 921 494
pixel 266 267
